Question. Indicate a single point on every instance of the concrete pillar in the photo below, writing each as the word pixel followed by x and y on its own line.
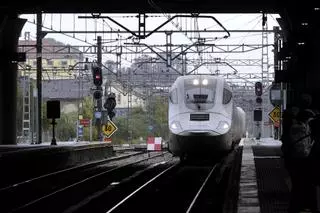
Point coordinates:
pixel 313 73
pixel 314 56
pixel 10 28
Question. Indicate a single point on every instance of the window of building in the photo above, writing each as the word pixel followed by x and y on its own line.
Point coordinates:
pixel 64 63
pixel 119 98
pixel 49 62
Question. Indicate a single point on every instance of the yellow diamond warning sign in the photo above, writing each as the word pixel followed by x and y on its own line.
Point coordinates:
pixel 109 128
pixel 274 115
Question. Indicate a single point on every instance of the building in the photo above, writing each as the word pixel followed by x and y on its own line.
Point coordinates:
pixel 65 77
pixel 59 61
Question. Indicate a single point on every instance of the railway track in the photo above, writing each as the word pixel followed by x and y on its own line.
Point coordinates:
pixel 12 179
pixel 35 192
pixel 176 189
pixel 172 187
pixel 122 154
pixel 157 184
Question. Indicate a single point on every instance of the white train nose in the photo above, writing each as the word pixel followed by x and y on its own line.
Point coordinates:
pixel 202 117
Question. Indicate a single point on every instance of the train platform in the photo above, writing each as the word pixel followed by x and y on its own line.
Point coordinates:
pixel 26 160
pixel 264 182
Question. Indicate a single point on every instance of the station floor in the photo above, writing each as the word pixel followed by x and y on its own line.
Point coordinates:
pixel 264 182
pixel 22 161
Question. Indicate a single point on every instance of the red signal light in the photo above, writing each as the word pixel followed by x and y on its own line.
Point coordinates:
pixel 97 76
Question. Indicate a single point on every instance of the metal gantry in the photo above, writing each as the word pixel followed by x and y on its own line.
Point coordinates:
pixel 129 115
pixel 141 48
pixel 167 61
pixel 26 109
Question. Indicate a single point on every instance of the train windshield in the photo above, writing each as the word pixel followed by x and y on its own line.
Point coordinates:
pixel 199 93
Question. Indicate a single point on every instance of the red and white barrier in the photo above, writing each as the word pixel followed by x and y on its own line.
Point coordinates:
pixel 154 143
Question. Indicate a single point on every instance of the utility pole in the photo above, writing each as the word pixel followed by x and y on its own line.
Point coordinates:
pixel 265 71
pixel 39 75
pixel 258 115
pixel 99 101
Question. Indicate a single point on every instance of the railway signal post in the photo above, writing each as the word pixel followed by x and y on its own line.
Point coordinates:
pixel 257 116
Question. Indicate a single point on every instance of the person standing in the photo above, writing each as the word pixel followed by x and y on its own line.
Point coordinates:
pixel 296 146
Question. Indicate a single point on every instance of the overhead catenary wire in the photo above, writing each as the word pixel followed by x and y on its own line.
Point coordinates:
pixel 62 34
pixel 104 23
pixel 224 21
pixel 245 36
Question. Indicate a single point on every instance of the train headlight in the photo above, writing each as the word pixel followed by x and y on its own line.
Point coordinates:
pixel 175 125
pixel 205 82
pixel 195 82
pixel 223 125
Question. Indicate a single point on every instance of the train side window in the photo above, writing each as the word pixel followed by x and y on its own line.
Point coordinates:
pixel 173 96
pixel 227 95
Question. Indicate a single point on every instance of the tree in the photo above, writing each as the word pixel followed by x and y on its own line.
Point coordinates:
pixel 120 136
pixel 66 126
pixel 87 112
pixel 110 66
pixel 46 123
pixel 138 123
pixel 87 107
pixel 161 117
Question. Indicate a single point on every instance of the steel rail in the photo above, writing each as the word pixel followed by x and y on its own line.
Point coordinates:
pixel 201 188
pixel 82 166
pixel 141 187
pixel 80 182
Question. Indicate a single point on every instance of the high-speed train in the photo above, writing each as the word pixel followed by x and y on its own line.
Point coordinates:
pixel 203 120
